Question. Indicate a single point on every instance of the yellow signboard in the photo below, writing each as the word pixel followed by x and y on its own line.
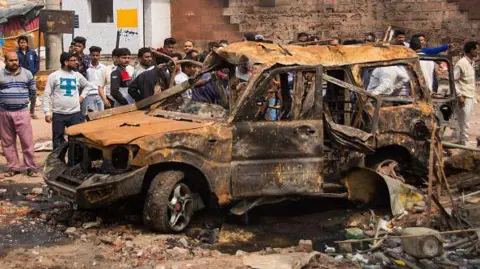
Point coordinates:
pixel 127 18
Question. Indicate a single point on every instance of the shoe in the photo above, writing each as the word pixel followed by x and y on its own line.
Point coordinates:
pixel 33 116
pixel 10 174
pixel 32 173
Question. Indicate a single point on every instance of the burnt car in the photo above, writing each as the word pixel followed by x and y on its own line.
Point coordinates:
pixel 299 126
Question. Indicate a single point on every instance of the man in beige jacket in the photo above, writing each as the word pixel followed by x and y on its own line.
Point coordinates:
pixel 464 73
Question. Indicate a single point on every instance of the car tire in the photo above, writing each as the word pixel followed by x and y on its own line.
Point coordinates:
pixel 169 204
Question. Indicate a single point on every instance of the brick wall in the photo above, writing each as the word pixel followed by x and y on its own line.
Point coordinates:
pixel 441 20
pixel 202 21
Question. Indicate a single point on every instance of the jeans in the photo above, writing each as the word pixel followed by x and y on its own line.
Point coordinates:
pixel 60 122
pixel 464 114
pixel 92 103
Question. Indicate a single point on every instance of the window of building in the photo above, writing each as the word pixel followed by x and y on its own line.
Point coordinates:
pixel 102 11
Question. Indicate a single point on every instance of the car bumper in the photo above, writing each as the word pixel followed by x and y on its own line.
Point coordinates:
pixel 90 190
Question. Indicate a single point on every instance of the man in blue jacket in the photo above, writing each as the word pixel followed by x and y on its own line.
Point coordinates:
pixel 28 59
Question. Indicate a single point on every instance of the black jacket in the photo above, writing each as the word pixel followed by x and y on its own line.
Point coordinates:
pixel 119 79
pixel 143 86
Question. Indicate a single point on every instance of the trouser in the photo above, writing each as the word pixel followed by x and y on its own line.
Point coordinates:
pixel 13 124
pixel 464 114
pixel 33 102
pixel 92 103
pixel 60 122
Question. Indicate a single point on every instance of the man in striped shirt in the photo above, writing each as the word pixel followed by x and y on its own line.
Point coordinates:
pixel 16 87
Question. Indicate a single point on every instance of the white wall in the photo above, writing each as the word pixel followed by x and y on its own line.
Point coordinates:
pixel 104 34
pixel 161 22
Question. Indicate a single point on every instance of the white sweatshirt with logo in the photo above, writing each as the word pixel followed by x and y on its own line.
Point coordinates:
pixel 64 87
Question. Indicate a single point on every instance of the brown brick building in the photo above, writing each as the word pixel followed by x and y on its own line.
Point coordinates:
pixel 206 20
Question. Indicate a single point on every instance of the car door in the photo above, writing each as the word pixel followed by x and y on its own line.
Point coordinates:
pixel 278 135
pixel 444 93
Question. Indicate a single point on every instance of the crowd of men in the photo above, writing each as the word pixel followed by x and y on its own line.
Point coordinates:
pixel 84 84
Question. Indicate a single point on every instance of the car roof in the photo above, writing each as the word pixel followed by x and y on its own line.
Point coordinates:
pixel 271 54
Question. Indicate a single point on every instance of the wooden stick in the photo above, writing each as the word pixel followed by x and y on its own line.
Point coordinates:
pixel 430 176
pixel 457 243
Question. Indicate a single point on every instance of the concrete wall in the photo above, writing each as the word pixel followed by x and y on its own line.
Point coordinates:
pixel 157 24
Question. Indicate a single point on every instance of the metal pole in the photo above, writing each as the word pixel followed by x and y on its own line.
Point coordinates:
pixel 457 146
pixel 53 44
pixel 117 43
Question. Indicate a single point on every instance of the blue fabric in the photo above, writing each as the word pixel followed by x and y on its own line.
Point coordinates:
pixel 272 112
pixel 29 60
pixel 436 50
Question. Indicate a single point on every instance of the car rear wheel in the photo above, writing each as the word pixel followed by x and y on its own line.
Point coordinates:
pixel 169 204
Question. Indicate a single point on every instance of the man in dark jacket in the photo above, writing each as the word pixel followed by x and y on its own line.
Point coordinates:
pixel 144 85
pixel 28 59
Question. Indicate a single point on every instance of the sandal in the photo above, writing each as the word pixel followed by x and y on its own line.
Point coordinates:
pixel 11 174
pixel 32 173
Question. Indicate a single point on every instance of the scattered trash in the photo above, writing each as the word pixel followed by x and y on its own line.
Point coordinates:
pixel 43 146
pixel 95 224
pixel 71 230
pixel 184 242
pixel 422 246
pixel 329 249
pixel 37 191
pixel 359 258
pixel 354 233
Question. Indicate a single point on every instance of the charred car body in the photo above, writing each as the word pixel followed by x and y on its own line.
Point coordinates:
pixel 299 125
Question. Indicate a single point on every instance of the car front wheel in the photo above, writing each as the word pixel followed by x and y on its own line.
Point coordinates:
pixel 169 204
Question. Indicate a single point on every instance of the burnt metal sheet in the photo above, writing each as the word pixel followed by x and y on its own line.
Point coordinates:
pixel 271 54
pixel 277 158
pixel 369 187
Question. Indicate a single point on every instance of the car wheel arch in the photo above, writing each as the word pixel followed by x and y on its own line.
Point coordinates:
pixel 193 177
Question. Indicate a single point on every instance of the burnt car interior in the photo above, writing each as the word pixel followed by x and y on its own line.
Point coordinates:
pixel 404 86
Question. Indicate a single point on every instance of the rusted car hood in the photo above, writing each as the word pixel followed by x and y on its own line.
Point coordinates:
pixel 124 128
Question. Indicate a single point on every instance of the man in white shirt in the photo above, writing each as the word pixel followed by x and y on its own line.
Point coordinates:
pixel 428 67
pixel 389 80
pixel 145 62
pixel 188 70
pixel 465 84
pixel 96 99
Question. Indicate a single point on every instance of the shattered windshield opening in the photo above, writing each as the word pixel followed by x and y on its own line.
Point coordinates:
pixel 191 107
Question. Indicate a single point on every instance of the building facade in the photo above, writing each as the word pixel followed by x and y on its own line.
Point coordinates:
pixel 149 22
pixel 281 20
pixel 138 23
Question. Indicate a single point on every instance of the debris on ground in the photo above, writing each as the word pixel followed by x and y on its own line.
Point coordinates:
pixel 43 146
